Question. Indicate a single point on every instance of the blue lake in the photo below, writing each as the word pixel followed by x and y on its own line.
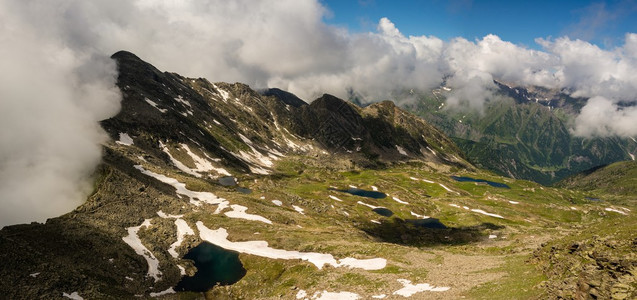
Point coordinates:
pixel 491 183
pixel 383 211
pixel 215 266
pixel 362 193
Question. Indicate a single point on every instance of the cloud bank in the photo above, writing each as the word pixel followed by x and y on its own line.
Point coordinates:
pixel 57 80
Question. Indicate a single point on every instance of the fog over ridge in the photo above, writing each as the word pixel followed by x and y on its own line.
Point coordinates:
pixel 58 81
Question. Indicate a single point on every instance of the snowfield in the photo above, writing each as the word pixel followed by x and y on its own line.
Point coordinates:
pixel 239 212
pixel 182 230
pixel 219 237
pixel 134 242
pixel 196 198
pixel 409 289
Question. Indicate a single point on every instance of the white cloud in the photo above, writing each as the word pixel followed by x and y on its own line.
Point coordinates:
pixel 57 80
pixel 602 117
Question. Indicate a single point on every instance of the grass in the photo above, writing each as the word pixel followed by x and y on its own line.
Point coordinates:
pixel 520 281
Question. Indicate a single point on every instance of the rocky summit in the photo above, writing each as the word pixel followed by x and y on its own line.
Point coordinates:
pixel 217 191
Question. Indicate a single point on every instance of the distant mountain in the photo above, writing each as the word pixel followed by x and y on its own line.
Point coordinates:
pixel 521 134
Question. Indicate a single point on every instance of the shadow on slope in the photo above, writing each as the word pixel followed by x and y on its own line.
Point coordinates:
pixel 415 233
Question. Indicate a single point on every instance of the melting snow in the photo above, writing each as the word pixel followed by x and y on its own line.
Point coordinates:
pixel 419 216
pixel 368 205
pixel 201 164
pixel 374 188
pixel 239 212
pixel 410 289
pixel 514 202
pixel 335 198
pixel 379 296
pixel 399 201
pixel 486 213
pixel 401 150
pixel 219 237
pixel 277 202
pixel 153 104
pixel 375 221
pixel 492 236
pixel 74 296
pixel 196 198
pixel 225 95
pixel 615 210
pixel 124 139
pixel 166 292
pixel 182 230
pixel 298 209
pixel 478 211
pixel 183 101
pixel 325 295
pixel 301 294
pixel 163 215
pixel 134 242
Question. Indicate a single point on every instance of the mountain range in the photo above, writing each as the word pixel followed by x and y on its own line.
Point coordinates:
pixel 218 191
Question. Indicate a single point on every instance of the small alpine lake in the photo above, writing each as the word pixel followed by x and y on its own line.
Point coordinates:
pixel 215 266
pixel 362 193
pixel 491 183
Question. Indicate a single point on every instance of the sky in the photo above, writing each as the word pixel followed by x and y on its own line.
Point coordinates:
pixel 58 81
pixel 603 23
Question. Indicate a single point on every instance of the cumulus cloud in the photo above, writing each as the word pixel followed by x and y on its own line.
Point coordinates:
pixel 52 94
pixel 57 80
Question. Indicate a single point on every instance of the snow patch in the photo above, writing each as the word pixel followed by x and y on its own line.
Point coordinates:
pixel 375 221
pixel 374 188
pixel 514 202
pixel 125 139
pixel 325 295
pixel 419 216
pixel 335 198
pixel 381 296
pixel 301 294
pixel 201 164
pixel 132 239
pixel 183 101
pixel 298 209
pixel 478 211
pixel 368 205
pixel 277 202
pixel 219 237
pixel 34 275
pixel 196 198
pixel 399 201
pixel 163 215
pixel 239 212
pixel 446 188
pixel 155 105
pixel 170 290
pixel 410 289
pixel 615 210
pixel 401 150
pixel 487 214
pixel 182 230
pixel 492 236
pixel 74 296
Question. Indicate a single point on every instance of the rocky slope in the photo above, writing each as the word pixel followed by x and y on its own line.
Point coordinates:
pixel 316 200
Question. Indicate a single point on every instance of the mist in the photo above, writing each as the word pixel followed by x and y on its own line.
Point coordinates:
pixel 57 81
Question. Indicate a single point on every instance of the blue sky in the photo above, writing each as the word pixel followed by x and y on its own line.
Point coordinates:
pixel 603 23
